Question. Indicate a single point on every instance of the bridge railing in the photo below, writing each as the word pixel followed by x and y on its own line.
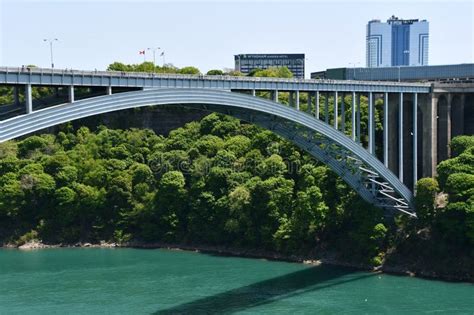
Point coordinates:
pixel 124 74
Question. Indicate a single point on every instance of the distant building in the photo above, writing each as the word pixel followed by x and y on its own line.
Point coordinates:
pixel 445 73
pixel 397 43
pixel 248 62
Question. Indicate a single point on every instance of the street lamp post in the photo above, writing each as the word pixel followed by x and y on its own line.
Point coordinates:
pixel 154 52
pixel 51 49
pixel 353 64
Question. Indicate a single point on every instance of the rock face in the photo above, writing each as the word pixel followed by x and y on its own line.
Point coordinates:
pixel 33 244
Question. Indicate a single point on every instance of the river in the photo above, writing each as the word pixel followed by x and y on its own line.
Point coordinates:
pixel 138 281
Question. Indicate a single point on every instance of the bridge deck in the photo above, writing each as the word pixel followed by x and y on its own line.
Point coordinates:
pixel 63 77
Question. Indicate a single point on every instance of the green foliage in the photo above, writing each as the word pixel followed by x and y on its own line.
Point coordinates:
pixel 455 223
pixel 215 72
pixel 189 70
pixel 461 144
pixel 275 72
pixel 217 181
pixel 148 66
pixel 28 237
pixel 426 190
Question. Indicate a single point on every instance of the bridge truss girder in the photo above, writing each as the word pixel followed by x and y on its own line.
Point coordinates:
pixel 356 166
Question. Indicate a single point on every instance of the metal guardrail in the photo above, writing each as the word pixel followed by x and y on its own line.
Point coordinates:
pixel 123 74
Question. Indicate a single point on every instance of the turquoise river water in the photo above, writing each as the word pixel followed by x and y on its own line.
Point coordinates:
pixel 134 281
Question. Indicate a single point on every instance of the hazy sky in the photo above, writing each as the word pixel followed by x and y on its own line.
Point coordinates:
pixel 206 34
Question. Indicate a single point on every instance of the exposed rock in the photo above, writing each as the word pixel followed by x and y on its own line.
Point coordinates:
pixel 33 244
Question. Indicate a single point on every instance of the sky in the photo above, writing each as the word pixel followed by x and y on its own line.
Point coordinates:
pixel 207 34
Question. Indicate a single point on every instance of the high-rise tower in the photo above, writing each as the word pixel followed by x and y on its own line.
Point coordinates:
pixel 397 42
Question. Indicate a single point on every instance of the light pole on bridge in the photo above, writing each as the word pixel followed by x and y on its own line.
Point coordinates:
pixel 353 64
pixel 154 55
pixel 404 52
pixel 51 48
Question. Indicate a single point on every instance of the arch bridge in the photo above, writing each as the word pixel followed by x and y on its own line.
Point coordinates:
pixel 322 134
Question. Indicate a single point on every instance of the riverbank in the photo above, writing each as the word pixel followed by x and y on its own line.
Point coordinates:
pixel 314 259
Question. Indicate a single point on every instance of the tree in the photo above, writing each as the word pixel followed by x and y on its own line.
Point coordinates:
pixel 215 72
pixel 276 72
pixel 170 205
pixel 189 70
pixel 426 190
pixel 460 144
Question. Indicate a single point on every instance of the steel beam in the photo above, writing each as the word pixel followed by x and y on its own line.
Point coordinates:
pixel 335 110
pixel 358 168
pixel 297 100
pixel 326 109
pixel 60 77
pixel 343 114
pixel 316 113
pixel 385 130
pixel 415 139
pixel 371 124
pixel 353 116
pixel 28 99
pixel 16 95
pixel 358 118
pixel 400 137
pixel 309 109
pixel 71 93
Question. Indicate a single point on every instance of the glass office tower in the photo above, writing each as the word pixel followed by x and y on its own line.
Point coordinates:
pixel 397 42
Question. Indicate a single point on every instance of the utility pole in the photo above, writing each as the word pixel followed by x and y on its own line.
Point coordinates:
pixel 51 49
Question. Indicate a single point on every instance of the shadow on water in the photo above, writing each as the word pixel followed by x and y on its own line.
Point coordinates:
pixel 268 291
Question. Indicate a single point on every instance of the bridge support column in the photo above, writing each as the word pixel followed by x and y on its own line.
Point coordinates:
pixel 16 95
pixel 385 129
pixel 275 96
pixel 316 105
pixel 343 114
pixel 371 124
pixel 326 109
pixel 353 116
pixel 309 109
pixel 291 99
pixel 71 93
pixel 392 130
pixel 358 118
pixel 400 138
pixel 28 99
pixel 108 90
pixel 253 92
pixel 335 110
pixel 457 115
pixel 429 130
pixel 448 124
pixel 415 139
pixel 297 100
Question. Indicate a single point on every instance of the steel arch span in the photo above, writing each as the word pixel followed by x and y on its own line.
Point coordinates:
pixel 357 167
